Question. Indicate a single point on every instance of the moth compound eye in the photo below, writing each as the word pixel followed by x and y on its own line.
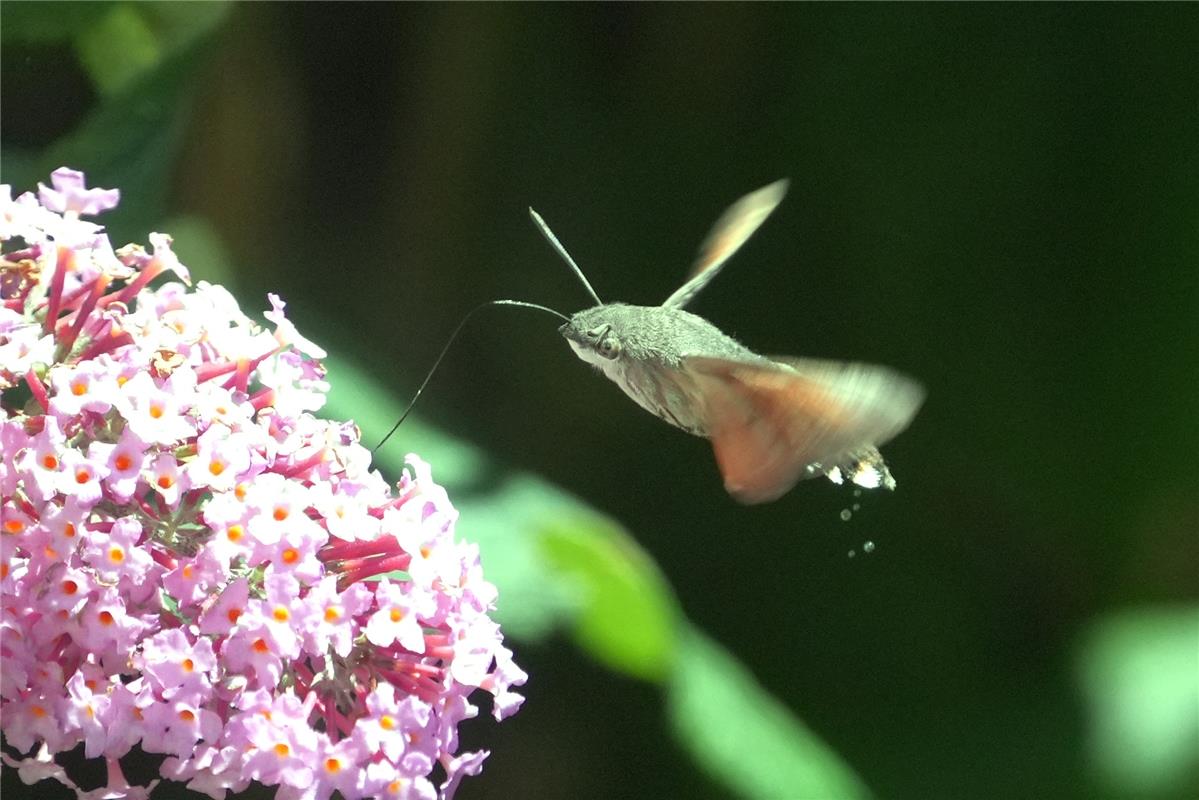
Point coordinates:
pixel 594 333
pixel 609 347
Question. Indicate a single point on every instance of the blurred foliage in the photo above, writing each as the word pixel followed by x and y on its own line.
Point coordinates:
pixel 1138 670
pixel 1001 200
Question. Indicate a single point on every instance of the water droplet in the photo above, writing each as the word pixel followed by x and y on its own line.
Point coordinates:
pixel 846 514
pixel 868 547
pixel 852 553
pixel 856 506
pixel 857 492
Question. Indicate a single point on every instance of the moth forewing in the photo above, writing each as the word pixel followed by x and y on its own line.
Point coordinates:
pixel 876 403
pixel 773 424
pixel 731 231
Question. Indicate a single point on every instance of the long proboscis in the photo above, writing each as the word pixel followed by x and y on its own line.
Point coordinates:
pixel 446 349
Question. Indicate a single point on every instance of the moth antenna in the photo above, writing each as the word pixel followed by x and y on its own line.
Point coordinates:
pixel 553 240
pixel 446 349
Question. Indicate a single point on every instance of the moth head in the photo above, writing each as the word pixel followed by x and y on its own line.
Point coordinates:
pixel 591 335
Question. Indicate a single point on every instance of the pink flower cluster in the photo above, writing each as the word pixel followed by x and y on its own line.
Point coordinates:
pixel 191 562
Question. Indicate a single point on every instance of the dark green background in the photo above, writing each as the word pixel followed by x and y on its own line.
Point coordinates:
pixel 1002 200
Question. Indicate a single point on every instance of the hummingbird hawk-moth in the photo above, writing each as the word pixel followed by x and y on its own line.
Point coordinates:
pixel 772 420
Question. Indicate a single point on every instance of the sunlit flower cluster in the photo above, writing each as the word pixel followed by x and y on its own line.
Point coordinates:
pixel 191 562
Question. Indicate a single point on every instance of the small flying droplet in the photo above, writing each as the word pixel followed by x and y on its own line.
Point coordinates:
pixel 852 553
pixel 868 547
pixel 856 506
pixel 846 514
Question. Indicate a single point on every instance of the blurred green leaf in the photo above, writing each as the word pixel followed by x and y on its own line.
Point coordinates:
pixel 131 39
pixel 1140 672
pixel 118 47
pixel 629 619
pixel 742 736
pixel 202 250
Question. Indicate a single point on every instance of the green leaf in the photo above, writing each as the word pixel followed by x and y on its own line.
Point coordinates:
pixel 628 616
pixel 1140 674
pixel 744 737
pixel 118 48
pixel 171 606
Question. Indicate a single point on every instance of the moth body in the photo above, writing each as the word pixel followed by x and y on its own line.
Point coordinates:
pixel 642 349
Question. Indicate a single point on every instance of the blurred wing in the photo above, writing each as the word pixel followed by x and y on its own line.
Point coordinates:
pixel 770 421
pixel 731 231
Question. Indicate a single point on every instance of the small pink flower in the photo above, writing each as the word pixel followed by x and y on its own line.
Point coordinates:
pixel 167 479
pixel 118 555
pixel 80 477
pixel 193 579
pixel 389 726
pixel 177 665
pixel 230 605
pixel 397 619
pixel 252 651
pixel 278 506
pixel 89 386
pixel 86 711
pixel 174 726
pixel 68 589
pixel 123 461
pixel 105 627
pixel 330 622
pixel 285 747
pixel 70 194
pixel 156 413
pixel 221 458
